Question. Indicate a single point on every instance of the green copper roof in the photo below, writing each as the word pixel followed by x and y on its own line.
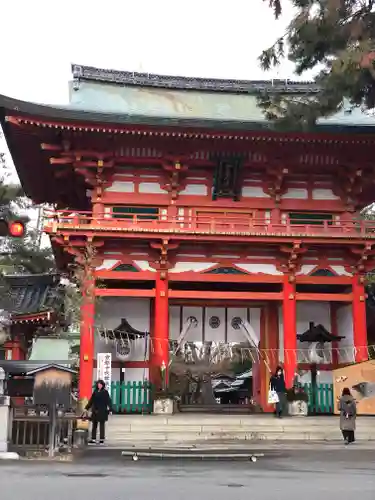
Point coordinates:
pixel 50 350
pixel 154 96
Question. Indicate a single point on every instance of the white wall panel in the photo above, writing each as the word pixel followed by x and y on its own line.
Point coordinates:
pixel 110 311
pixel 235 334
pixel 174 322
pixel 194 334
pixel 319 314
pixel 211 332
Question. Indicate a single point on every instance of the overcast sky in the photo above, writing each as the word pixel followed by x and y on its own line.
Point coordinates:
pixel 211 38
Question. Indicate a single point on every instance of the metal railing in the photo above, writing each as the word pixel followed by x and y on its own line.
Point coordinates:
pixel 29 429
pixel 227 224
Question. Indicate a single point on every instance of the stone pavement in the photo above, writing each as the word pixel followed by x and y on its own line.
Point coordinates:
pixel 340 475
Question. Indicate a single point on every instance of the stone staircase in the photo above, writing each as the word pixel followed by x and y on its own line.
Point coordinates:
pixel 189 429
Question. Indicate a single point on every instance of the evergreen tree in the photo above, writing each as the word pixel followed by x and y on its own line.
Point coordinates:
pixel 20 255
pixel 334 37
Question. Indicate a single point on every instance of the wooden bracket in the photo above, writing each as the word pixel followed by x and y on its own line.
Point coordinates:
pixel 276 182
pixel 364 258
pixel 175 170
pixel 349 186
pixel 165 255
pixel 291 262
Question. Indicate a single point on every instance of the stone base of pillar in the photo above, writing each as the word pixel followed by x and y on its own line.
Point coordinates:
pixel 164 406
pixel 80 439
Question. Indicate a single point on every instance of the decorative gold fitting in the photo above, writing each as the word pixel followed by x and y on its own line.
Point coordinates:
pixel 291 279
pixel 177 165
pixel 100 163
pixel 162 293
pixel 291 296
pixel 362 298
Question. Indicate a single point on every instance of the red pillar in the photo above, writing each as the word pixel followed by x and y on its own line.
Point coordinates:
pixel 290 330
pixel 359 319
pixel 86 362
pixel 14 350
pixel 160 338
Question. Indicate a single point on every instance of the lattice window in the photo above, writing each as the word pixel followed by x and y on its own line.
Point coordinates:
pixel 224 270
pixel 129 268
pixel 310 218
pixel 323 272
pixel 145 213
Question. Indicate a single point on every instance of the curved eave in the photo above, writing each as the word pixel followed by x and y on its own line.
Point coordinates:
pixel 69 117
pixel 26 125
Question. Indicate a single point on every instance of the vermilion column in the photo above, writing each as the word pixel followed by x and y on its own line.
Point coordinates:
pixel 86 362
pixel 160 338
pixel 359 319
pixel 290 330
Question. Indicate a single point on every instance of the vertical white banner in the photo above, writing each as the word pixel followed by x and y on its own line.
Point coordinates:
pixel 104 369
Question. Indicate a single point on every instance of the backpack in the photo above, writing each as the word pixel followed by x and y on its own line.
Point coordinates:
pixel 347 409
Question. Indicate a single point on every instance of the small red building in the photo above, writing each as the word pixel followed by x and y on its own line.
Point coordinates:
pixel 35 305
pixel 197 209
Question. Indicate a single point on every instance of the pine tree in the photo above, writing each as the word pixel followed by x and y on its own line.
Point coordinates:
pixel 20 255
pixel 336 37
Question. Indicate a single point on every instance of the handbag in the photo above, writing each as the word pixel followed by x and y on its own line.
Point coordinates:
pixel 273 398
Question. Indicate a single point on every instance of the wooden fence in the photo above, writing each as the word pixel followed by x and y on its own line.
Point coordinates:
pixel 131 397
pixel 323 402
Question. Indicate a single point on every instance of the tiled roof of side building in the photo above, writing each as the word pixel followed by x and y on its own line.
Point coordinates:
pixel 32 294
pixel 138 79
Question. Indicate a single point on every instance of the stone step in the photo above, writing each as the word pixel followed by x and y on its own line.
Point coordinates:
pixel 199 428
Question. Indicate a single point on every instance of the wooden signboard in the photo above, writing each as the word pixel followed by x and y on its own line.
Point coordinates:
pixel 52 385
pixel 360 379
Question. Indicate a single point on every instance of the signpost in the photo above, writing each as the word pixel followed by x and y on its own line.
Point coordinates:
pixel 104 369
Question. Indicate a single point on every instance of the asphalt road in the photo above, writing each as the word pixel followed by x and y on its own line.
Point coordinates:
pixel 335 475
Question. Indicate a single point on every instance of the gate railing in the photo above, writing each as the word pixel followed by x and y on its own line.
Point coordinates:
pixel 29 429
pixel 323 402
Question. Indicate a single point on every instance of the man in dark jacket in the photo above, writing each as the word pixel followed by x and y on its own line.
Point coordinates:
pixel 100 405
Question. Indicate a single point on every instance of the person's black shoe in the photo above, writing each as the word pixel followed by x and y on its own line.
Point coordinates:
pixel 101 441
pixel 92 441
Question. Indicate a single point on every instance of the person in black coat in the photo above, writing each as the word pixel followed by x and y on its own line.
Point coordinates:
pixel 100 405
pixel 277 384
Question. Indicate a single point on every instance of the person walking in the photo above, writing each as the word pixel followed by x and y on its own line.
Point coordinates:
pixel 348 414
pixel 277 384
pixel 100 405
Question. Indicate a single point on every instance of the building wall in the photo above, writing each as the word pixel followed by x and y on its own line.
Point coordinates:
pixel 316 312
pixel 214 324
pixel 142 185
pixel 110 311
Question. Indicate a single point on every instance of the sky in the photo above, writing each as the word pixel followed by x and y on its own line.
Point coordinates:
pixel 206 38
